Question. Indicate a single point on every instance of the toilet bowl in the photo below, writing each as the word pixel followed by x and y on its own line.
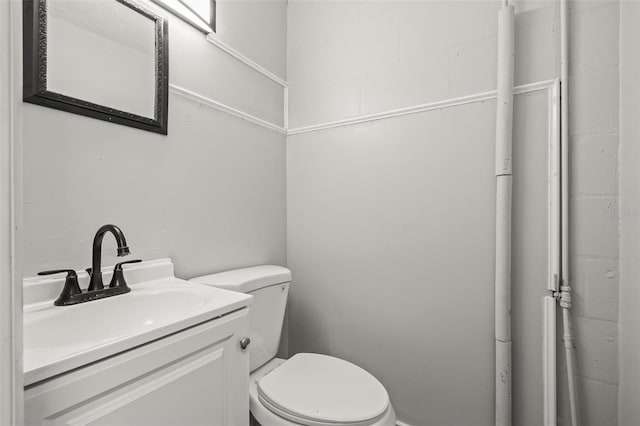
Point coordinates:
pixel 265 415
pixel 307 389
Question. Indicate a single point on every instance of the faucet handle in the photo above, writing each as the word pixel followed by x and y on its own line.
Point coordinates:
pixel 119 265
pixel 70 272
pixel 117 280
pixel 71 286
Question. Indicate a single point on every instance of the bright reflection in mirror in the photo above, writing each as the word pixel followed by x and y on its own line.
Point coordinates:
pixel 102 52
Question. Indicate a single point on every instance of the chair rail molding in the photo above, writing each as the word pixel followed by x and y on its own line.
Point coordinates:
pixel 445 103
pixel 203 100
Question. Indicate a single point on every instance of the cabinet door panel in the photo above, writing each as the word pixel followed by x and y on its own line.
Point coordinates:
pixel 205 384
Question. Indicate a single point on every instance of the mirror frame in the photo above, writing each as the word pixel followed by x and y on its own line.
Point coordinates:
pixel 35 72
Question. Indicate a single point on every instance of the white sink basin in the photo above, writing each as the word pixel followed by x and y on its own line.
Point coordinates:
pixel 101 321
pixel 60 338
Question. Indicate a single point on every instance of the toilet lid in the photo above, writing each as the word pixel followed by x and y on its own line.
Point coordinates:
pixel 313 389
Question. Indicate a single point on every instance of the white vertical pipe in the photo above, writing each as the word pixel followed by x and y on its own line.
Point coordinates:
pixel 504 120
pixel 550 362
pixel 503 164
pixel 549 342
pixel 565 293
pixel 554 218
pixel 564 120
pixel 570 355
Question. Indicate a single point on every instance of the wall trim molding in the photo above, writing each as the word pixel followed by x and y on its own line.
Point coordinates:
pixel 11 377
pixel 446 103
pixel 285 105
pixel 225 108
pixel 213 39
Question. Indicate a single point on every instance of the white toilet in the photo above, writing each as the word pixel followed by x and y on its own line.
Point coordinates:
pixel 307 389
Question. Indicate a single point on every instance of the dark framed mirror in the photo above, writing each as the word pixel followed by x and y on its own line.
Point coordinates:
pixel 106 59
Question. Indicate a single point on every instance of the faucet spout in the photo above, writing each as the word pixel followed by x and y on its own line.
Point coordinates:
pixel 95 283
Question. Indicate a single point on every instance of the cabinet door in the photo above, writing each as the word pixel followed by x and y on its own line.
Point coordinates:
pixel 197 377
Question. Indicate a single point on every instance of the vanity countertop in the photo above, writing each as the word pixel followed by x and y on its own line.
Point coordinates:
pixel 58 339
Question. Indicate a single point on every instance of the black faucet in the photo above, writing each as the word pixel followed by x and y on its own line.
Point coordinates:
pixel 95 283
pixel 72 294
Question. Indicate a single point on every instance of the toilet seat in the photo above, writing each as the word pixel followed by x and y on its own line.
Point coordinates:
pixel 320 390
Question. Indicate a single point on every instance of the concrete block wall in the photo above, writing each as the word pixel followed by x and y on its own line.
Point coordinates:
pixel 377 56
pixel 594 82
pixel 370 211
pixel 360 57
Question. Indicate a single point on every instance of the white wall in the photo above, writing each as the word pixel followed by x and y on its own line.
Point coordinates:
pixel 351 58
pixel 629 214
pixel 593 73
pixel 255 27
pixel 347 59
pixel 210 195
pixel 390 223
pixel 390 240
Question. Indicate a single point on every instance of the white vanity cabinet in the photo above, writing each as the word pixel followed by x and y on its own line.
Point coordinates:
pixel 198 376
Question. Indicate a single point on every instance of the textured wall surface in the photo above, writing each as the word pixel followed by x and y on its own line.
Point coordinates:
pixel 390 241
pixel 352 58
pixel 435 50
pixel 594 206
pixel 210 195
pixel 391 223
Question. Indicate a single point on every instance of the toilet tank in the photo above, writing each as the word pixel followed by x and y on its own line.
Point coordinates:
pixel 269 286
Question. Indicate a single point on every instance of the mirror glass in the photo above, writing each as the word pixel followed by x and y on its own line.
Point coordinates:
pixel 103 53
pixel 106 59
